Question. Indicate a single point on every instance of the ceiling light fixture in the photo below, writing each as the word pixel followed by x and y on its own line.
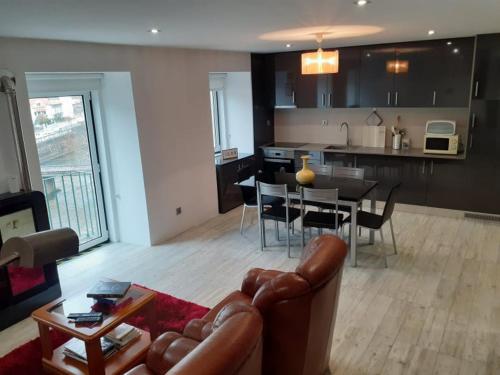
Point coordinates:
pixel 288 45
pixel 449 43
pixel 154 31
pixel 362 3
pixel 397 66
pixel 320 62
pixel 431 32
pixel 456 50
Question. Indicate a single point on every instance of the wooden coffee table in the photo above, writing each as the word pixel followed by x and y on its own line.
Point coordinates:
pixel 53 315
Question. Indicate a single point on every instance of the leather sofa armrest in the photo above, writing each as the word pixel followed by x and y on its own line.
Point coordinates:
pixel 282 287
pixel 235 341
pixel 255 278
pixel 197 329
pixel 167 350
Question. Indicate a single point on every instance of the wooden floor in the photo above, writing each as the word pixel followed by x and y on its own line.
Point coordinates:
pixel 436 310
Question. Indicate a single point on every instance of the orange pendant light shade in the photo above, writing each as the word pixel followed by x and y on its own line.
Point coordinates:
pixel 397 66
pixel 320 62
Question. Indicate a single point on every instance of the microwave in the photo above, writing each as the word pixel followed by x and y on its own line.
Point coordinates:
pixel 441 144
pixel 440 137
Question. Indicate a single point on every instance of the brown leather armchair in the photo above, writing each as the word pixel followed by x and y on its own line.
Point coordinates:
pixel 231 344
pixel 299 309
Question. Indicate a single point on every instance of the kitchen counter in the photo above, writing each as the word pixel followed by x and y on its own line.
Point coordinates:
pixel 219 161
pixel 361 150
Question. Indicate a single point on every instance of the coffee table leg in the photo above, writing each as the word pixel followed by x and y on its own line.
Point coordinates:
pixel 151 317
pixel 95 358
pixel 45 340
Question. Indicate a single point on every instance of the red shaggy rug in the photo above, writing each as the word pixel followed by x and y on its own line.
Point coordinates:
pixel 172 314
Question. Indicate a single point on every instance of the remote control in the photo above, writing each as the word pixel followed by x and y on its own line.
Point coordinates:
pixel 88 319
pixel 84 315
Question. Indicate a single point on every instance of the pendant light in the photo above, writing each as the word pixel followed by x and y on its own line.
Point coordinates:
pixel 397 66
pixel 320 62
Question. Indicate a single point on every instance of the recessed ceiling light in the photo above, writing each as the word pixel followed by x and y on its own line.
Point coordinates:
pixel 431 32
pixel 154 30
pixel 368 54
pixel 449 43
pixel 361 3
pixel 456 50
pixel 288 45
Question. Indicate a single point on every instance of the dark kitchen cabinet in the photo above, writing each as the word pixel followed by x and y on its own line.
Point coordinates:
pixel 452 83
pixel 286 73
pixel 229 195
pixel 339 159
pixel 376 83
pixel 487 68
pixel 416 87
pixel 429 74
pixel 391 170
pixel 262 66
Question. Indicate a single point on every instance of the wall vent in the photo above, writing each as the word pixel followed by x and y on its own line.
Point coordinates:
pixel 472 215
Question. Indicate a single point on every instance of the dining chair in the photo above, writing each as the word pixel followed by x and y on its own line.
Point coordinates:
pixel 322 169
pixel 319 219
pixel 375 222
pixel 348 172
pixel 284 213
pixel 249 194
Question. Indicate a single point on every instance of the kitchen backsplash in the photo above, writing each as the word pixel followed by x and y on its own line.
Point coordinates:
pixel 305 125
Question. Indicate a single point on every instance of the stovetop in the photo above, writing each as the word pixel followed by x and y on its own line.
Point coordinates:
pixel 287 144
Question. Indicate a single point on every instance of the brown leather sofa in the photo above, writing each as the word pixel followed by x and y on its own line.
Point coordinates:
pixel 298 308
pixel 231 344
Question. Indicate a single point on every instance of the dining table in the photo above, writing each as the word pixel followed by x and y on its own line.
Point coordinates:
pixel 351 193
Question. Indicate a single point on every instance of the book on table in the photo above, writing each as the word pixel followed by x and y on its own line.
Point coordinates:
pixel 75 349
pixel 109 290
pixel 123 335
pixel 115 340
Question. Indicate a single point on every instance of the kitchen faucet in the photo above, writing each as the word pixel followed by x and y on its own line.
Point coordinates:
pixel 348 140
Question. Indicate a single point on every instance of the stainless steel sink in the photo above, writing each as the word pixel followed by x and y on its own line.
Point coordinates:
pixel 335 147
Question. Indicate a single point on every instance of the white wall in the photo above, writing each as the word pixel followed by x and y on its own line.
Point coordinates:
pixel 239 111
pixel 304 125
pixel 8 161
pixel 121 143
pixel 173 115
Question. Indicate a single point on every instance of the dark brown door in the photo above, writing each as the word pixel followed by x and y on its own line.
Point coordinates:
pixel 287 69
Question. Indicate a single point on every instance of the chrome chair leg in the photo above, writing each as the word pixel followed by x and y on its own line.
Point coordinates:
pixel 242 218
pixel 277 230
pixel 393 237
pixel 288 238
pixel 264 232
pixel 384 254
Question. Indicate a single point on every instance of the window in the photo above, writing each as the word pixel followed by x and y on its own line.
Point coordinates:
pixel 217 105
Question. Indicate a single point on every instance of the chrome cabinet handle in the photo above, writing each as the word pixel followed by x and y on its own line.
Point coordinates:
pixel 396 98
pixel 432 167
pixel 293 96
pixel 434 98
pixel 473 121
pixel 476 90
pixel 324 99
pixel 329 99
pixel 471 138
pixel 423 167
pixel 388 98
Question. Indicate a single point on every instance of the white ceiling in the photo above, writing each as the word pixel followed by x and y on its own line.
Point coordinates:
pixel 238 24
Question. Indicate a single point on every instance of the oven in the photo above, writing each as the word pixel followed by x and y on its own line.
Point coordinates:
pixel 276 160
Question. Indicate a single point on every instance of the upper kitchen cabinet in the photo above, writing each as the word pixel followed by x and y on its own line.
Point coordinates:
pixel 417 74
pixel 452 83
pixel 341 90
pixel 487 68
pixel 414 70
pixel 286 73
pixel 376 82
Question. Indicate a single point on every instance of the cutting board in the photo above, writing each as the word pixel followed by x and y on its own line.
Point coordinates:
pixel 374 136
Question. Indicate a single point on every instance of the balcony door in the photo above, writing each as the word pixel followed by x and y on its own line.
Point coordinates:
pixel 69 162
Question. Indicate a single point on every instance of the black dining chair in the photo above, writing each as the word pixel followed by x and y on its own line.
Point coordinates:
pixel 249 194
pixel 284 214
pixel 318 219
pixel 375 222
